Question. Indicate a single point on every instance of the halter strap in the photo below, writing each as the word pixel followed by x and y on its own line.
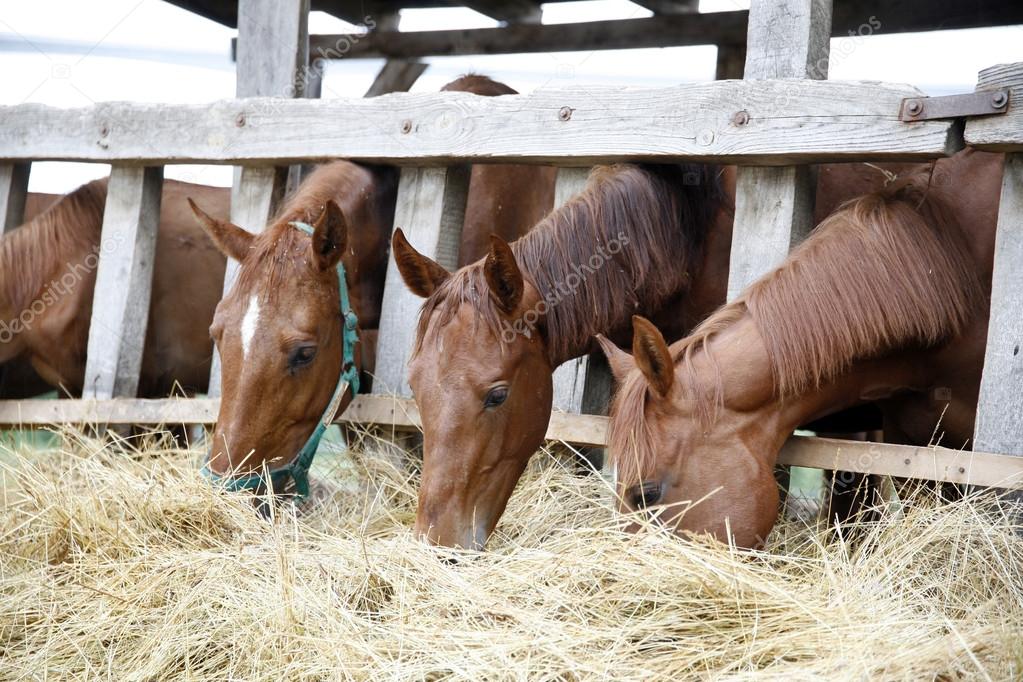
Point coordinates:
pixel 298 469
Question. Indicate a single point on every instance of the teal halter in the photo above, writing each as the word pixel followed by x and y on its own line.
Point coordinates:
pixel 298 469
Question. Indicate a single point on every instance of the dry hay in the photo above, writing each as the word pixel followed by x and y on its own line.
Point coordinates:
pixel 132 568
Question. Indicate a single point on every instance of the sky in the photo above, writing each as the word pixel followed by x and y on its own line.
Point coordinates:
pixel 72 53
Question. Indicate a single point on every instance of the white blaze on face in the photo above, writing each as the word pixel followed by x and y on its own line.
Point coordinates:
pixel 249 325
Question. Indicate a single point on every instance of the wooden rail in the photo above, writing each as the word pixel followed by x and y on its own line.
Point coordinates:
pixel 762 122
pixel 930 463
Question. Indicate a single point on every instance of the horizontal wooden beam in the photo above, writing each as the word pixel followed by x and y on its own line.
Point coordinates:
pixel 930 463
pixel 764 122
pixel 861 19
pixel 1001 132
pixel 620 34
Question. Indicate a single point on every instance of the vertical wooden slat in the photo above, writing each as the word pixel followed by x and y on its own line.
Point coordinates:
pixel 581 385
pixel 774 206
pixel 124 278
pixel 430 210
pixel 999 426
pixel 13 191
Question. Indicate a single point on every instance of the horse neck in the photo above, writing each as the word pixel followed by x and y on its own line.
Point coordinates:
pixel 733 369
pixel 629 244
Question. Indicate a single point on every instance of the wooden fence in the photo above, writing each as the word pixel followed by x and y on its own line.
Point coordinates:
pixel 770 123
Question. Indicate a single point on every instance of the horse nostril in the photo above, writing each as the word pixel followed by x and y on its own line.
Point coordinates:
pixel 643 495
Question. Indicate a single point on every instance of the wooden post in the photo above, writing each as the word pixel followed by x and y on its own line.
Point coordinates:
pixel 774 206
pixel 124 278
pixel 13 190
pixel 272 58
pixel 999 426
pixel 430 210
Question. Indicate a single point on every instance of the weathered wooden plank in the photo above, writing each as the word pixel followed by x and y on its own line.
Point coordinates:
pixel 932 463
pixel 774 206
pixel 254 199
pixel 1003 132
pixel 396 75
pixel 33 413
pixel 789 121
pixel 851 18
pixel 273 47
pixel 13 191
pixel 430 210
pixel 508 11
pixel 999 424
pixel 773 212
pixel 124 278
pixel 581 385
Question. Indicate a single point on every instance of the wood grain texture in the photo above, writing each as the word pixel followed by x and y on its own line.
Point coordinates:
pixel 1003 132
pixel 931 463
pixel 273 46
pixel 430 209
pixel 255 196
pixel 789 121
pixel 774 206
pixel 124 278
pixel 13 192
pixel 999 425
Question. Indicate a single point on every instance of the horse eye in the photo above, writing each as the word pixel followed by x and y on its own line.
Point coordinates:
pixel 496 396
pixel 643 495
pixel 301 356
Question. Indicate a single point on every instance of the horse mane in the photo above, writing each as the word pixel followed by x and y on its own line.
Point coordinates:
pixel 64 232
pixel 658 214
pixel 887 270
pixel 279 252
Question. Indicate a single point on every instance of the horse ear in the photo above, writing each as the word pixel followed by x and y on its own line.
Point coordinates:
pixel 652 355
pixel 621 363
pixel 231 240
pixel 330 236
pixel 503 275
pixel 421 275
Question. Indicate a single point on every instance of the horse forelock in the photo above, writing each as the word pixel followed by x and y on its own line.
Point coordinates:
pixel 887 270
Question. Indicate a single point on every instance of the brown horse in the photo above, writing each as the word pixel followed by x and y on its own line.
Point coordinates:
pixel 278 329
pixel 488 341
pixel 491 334
pixel 47 276
pixel 17 378
pixel 886 301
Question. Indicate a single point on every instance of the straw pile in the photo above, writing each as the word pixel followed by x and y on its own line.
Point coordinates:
pixel 132 568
